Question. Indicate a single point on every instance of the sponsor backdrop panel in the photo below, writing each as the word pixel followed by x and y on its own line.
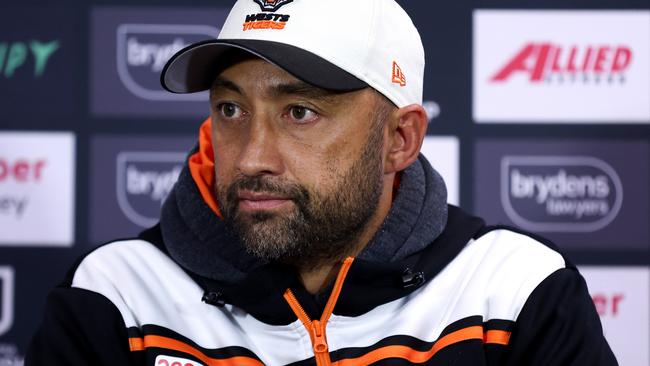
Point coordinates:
pixel 37 187
pixel 583 194
pixel 129 48
pixel 561 66
pixel 8 351
pixel 39 65
pixel 130 179
pixel 621 297
pixel 443 154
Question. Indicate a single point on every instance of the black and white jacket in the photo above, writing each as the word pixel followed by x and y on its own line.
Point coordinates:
pixel 471 295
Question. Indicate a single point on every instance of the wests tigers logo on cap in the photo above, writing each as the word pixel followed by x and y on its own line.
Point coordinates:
pixel 271 5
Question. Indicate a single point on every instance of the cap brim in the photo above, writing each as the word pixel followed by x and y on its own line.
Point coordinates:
pixel 195 67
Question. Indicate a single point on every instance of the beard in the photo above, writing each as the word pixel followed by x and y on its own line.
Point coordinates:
pixel 323 225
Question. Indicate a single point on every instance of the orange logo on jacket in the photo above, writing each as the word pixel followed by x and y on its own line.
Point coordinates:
pixel 398 75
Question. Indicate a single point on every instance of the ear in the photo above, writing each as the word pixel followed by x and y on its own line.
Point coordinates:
pixel 405 133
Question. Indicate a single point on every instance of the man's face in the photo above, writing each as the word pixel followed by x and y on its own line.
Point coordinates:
pixel 298 169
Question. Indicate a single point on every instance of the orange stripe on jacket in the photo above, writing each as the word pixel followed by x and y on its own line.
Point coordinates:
pixel 497 337
pixel 149 341
pixel 409 354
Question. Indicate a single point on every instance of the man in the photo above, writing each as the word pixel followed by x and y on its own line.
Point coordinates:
pixel 307 229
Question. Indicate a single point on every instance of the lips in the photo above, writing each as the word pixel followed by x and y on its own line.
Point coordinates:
pixel 256 201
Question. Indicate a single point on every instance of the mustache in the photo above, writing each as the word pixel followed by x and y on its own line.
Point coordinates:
pixel 262 184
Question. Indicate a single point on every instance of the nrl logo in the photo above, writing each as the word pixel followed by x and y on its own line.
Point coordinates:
pixel 271 5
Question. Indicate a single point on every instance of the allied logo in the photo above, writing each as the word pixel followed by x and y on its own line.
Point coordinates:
pixel 15 56
pixel 6 299
pixel 144 179
pixel 271 5
pixel 560 193
pixel 549 62
pixel 144 49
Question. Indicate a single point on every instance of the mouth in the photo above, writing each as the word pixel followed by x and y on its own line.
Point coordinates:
pixel 261 201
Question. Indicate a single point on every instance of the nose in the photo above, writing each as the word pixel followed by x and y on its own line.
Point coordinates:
pixel 260 154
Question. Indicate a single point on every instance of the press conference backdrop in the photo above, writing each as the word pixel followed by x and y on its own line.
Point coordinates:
pixel 539 118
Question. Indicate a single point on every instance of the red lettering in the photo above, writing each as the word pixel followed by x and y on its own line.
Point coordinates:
pixel 615 301
pixel 539 59
pixel 163 362
pixel 587 61
pixel 21 170
pixel 571 66
pixel 4 170
pixel 601 58
pixel 557 51
pixel 38 168
pixel 622 59
pixel 531 53
pixel 601 303
pixel 607 305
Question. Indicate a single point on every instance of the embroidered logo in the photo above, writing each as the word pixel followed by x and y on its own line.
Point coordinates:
pixel 265 21
pixel 398 75
pixel 271 5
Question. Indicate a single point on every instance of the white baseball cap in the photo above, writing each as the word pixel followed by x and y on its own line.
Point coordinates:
pixel 338 45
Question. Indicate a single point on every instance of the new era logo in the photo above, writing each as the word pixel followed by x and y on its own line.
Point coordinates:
pixel 398 75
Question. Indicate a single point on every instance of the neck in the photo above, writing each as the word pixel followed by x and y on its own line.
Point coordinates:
pixel 315 279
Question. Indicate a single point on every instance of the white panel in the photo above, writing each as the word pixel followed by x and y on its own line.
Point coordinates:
pixel 37 188
pixel 573 66
pixel 443 154
pixel 621 297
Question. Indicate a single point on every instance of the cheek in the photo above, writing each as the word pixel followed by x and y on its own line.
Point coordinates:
pixel 224 160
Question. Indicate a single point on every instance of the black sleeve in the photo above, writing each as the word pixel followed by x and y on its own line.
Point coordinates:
pixel 559 325
pixel 80 327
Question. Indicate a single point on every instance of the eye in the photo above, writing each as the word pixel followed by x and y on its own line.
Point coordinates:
pixel 302 114
pixel 229 110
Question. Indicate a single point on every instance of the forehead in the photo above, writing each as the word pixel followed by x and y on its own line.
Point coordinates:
pixel 251 76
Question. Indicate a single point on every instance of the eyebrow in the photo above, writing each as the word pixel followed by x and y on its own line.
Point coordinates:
pixel 297 88
pixel 303 89
pixel 220 83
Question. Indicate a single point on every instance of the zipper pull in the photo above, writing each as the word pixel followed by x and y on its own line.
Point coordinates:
pixel 320 344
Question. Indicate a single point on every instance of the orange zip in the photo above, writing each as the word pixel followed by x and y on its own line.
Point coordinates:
pixel 317 328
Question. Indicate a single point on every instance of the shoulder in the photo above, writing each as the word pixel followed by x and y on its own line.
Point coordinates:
pixel 498 270
pixel 137 277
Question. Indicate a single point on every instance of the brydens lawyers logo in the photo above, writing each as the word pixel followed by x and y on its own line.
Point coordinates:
pixel 271 5
pixel 560 193
pixel 144 179
pixel 143 50
pixel 549 62
pixel 6 299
